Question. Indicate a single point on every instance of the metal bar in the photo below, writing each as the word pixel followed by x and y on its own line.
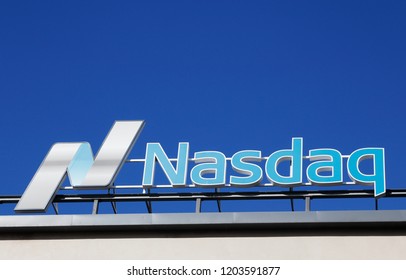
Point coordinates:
pixel 55 206
pixel 213 196
pixel 148 202
pixel 95 207
pixel 307 204
pixel 149 206
pixel 218 205
pixel 198 205
pixel 114 206
pixel 216 190
pixel 113 203
pixel 358 222
pixel 292 205
pixel 9 199
pixel 194 186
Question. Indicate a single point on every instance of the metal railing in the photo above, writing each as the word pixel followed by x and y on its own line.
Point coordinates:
pixel 112 197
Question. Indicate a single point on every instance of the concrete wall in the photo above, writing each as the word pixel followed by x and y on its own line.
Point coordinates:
pixel 286 235
pixel 226 247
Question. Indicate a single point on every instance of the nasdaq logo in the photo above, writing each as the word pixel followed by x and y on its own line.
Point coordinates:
pixel 75 160
pixel 206 169
pixel 326 167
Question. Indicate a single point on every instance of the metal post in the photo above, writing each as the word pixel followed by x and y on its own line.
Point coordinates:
pixel 292 205
pixel 307 203
pixel 218 205
pixel 55 206
pixel 149 206
pixel 148 203
pixel 198 205
pixel 114 206
pixel 218 200
pixel 95 207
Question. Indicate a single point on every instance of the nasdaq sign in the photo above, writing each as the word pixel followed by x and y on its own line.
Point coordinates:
pixel 209 168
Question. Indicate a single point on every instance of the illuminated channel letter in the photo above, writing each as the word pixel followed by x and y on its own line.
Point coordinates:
pixel 155 153
pixel 329 160
pixel 294 156
pixel 209 162
pixel 240 164
pixel 377 179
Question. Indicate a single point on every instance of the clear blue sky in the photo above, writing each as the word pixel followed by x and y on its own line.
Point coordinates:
pixel 222 75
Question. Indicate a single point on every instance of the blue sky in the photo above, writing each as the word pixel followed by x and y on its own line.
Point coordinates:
pixel 222 75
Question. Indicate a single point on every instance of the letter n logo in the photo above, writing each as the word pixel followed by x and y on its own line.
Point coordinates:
pixel 76 161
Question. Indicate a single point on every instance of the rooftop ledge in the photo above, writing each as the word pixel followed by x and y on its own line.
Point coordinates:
pixel 377 219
